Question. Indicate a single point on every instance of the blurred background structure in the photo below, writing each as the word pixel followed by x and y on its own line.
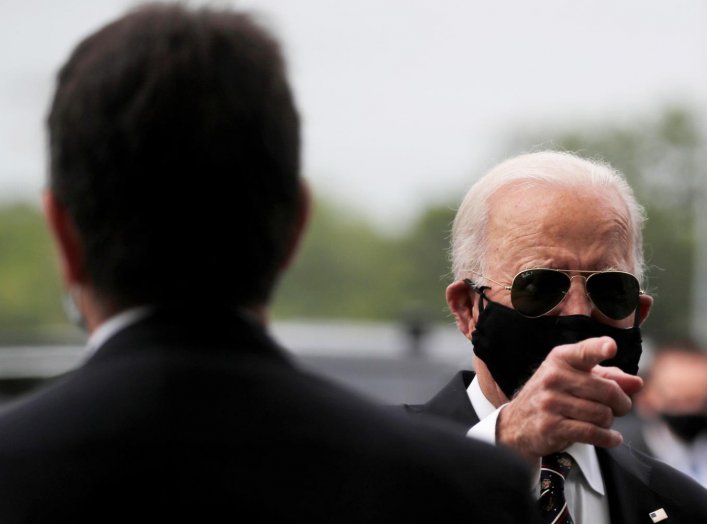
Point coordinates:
pixel 405 103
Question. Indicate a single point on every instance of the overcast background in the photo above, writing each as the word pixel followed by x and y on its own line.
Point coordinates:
pixel 404 101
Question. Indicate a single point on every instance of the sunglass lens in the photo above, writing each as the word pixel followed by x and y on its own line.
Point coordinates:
pixel 615 294
pixel 536 291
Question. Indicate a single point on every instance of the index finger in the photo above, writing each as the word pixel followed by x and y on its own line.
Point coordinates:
pixel 586 354
pixel 630 384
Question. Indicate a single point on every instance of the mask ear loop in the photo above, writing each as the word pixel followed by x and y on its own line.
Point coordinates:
pixel 637 316
pixel 479 290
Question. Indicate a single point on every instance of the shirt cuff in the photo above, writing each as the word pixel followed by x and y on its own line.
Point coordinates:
pixel 485 429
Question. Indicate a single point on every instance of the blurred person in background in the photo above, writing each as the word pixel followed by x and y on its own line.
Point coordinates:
pixel 670 419
pixel 547 259
pixel 175 201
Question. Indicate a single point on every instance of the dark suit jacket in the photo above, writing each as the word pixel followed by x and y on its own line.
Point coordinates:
pixel 636 484
pixel 631 427
pixel 188 416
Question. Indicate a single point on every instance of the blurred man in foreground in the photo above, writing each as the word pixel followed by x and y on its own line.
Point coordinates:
pixel 547 257
pixel 175 202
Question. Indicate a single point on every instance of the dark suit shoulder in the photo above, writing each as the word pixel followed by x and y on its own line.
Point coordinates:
pixel 443 463
pixel 639 484
pixel 451 405
pixel 182 427
pixel 678 487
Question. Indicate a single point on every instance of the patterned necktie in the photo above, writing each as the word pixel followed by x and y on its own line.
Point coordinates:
pixel 552 503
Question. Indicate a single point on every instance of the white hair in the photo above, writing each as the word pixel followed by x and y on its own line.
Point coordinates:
pixel 469 232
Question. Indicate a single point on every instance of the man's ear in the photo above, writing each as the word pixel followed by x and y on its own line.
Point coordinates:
pixel 300 225
pixel 645 303
pixel 460 300
pixel 66 239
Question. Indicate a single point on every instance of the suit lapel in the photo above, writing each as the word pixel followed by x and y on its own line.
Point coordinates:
pixel 630 488
pixel 624 487
pixel 452 402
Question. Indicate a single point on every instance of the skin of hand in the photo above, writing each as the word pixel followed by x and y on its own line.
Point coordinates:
pixel 570 398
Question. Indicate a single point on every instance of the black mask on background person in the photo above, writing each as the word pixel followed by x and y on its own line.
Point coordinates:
pixel 513 346
pixel 686 427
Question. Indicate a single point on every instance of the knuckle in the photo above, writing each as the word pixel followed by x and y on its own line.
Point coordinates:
pixel 546 402
pixel 620 402
pixel 551 377
pixel 605 418
pixel 612 394
pixel 623 408
pixel 588 433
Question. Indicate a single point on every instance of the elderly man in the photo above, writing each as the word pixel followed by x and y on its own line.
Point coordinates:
pixel 176 202
pixel 547 259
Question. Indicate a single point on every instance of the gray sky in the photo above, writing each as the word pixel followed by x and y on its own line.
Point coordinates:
pixel 403 100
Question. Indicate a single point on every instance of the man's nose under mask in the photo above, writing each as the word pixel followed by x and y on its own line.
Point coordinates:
pixel 513 346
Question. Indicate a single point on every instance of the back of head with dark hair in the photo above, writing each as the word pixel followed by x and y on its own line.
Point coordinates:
pixel 174 146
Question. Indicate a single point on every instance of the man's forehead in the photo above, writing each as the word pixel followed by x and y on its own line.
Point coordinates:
pixel 547 223
pixel 536 201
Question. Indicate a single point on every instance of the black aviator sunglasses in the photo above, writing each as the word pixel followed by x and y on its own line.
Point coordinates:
pixel 537 291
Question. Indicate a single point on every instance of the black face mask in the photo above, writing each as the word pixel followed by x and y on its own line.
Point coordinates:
pixel 687 427
pixel 513 346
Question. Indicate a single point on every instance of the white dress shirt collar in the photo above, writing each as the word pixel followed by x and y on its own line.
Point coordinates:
pixel 586 458
pixel 113 325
